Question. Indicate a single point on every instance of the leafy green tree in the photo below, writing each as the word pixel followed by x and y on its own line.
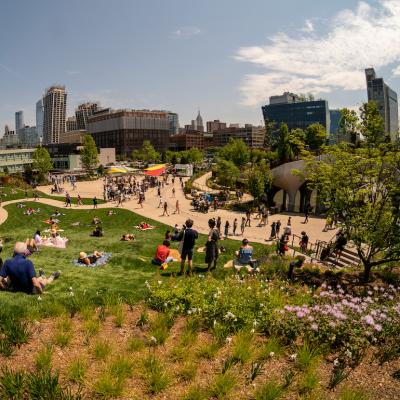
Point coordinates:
pixel 315 136
pixel 372 126
pixel 266 174
pixel 194 156
pixel 89 154
pixel 227 173
pixel 147 153
pixel 297 138
pixel 236 151
pixel 42 161
pixel 361 187
pixel 348 125
pixel 255 182
pixel 284 149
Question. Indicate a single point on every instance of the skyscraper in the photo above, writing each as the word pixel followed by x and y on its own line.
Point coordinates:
pixel 199 123
pixel 386 99
pixel 39 117
pixel 19 120
pixel 215 125
pixel 83 112
pixel 173 121
pixel 55 109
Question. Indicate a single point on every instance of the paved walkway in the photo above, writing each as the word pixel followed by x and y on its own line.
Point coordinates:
pixel 314 227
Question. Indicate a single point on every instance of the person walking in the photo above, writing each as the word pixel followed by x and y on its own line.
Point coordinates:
pixel 278 227
pixel 273 231
pixel 79 200
pixel 218 224
pixel 303 242
pixel 226 229
pixel 242 225
pixel 173 192
pixel 234 227
pixel 161 202
pixel 248 218
pixel 165 209
pixel 177 211
pixel 94 202
pixel 307 210
pixel 67 200
pixel 188 238
pixel 212 246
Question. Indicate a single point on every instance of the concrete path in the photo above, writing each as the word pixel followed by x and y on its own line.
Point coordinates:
pixel 314 227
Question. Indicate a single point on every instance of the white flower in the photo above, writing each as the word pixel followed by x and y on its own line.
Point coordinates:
pixel 159 282
pixel 252 330
pixel 348 353
pixel 293 356
pixel 228 339
pixel 70 288
pixel 153 339
pixel 336 362
pixel 214 323
pixel 271 354
pixel 39 298
pixel 230 315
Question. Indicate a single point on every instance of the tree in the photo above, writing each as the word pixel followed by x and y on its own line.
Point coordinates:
pixel 361 187
pixel 259 179
pixel 348 125
pixel 236 151
pixel 147 153
pixel 284 149
pixel 89 154
pixel 227 173
pixel 42 161
pixel 297 138
pixel 372 126
pixel 194 156
pixel 315 136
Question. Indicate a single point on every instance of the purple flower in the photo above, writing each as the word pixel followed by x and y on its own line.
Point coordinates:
pixel 369 320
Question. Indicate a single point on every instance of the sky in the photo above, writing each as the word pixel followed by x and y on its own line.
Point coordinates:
pixel 224 57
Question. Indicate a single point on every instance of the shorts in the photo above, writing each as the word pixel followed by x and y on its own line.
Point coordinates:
pixel 187 253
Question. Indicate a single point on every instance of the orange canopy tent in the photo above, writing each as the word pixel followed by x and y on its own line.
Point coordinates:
pixel 156 170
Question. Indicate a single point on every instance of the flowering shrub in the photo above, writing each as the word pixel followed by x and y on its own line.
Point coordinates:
pixel 331 317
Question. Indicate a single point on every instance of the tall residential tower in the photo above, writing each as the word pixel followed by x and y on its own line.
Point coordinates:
pixel 19 120
pixel 55 109
pixel 39 117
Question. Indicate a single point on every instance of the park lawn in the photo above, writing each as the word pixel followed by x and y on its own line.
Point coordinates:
pixel 7 195
pixel 124 275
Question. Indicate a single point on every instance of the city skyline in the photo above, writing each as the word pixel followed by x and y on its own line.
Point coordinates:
pixel 174 56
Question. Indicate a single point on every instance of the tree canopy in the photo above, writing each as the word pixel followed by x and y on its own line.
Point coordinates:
pixel 361 188
pixel 89 154
pixel 227 173
pixel 348 126
pixel 42 160
pixel 315 135
pixel 236 151
pixel 147 153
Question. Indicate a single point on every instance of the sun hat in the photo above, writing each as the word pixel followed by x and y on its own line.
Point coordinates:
pixel 82 255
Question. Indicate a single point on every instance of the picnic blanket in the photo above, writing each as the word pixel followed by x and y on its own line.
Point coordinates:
pixel 100 261
pixel 145 229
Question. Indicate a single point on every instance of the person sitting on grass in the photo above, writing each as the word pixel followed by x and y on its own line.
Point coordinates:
pixel 298 263
pixel 162 257
pixel 87 260
pixel 110 212
pixel 96 220
pixel 144 225
pixel 98 231
pixel 244 256
pixel 168 235
pixel 127 237
pixel 18 274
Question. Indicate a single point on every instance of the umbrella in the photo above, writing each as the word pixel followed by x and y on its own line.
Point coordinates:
pixel 155 170
pixel 117 170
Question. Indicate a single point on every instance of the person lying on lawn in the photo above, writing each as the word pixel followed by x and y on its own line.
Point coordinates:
pixel 87 260
pixel 98 231
pixel 127 237
pixel 162 254
pixel 18 273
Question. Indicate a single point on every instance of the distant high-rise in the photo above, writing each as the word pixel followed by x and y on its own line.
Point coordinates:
pixel 71 124
pixel 173 121
pixel 39 117
pixel 19 120
pixel 215 125
pixel 55 109
pixel 386 99
pixel 199 123
pixel 83 112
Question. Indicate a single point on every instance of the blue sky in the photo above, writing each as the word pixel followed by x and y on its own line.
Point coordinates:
pixel 225 57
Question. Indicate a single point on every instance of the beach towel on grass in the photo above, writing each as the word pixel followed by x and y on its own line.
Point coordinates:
pixel 100 261
pixel 145 229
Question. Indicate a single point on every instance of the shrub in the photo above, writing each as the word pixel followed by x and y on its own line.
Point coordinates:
pixel 159 330
pixel 43 358
pixel 12 384
pixel 208 351
pixel 135 344
pixel 108 387
pixel 269 391
pixel 121 368
pixel 77 370
pixel 101 349
pixel 242 346
pixel 155 374
pixel 188 371
pixel 307 356
pixel 223 385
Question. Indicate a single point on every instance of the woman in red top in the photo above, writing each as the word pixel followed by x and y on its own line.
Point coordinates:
pixel 162 254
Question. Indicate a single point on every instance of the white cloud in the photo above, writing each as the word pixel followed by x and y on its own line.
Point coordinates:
pixel 320 62
pixel 308 27
pixel 186 32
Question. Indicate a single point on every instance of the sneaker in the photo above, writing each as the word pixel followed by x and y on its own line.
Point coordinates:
pixel 41 273
pixel 55 275
pixel 164 266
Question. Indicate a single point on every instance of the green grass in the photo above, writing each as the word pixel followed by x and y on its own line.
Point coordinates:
pixel 271 390
pixel 43 358
pixel 101 349
pixel 155 374
pixel 223 385
pixel 354 394
pixel 77 370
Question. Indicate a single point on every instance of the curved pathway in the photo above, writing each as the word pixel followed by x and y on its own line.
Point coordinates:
pixel 150 210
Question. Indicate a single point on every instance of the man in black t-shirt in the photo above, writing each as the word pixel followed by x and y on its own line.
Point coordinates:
pixel 188 237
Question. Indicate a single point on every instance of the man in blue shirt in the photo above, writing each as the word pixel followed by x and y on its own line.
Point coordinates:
pixel 18 274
